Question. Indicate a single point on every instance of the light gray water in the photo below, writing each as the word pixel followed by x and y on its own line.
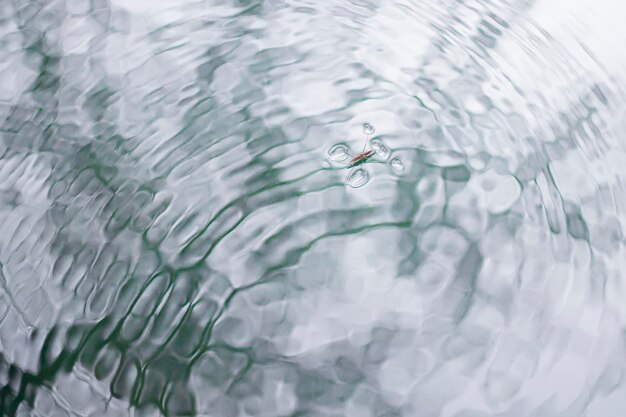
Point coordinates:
pixel 180 234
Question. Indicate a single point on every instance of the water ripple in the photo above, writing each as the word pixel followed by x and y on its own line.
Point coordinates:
pixel 182 233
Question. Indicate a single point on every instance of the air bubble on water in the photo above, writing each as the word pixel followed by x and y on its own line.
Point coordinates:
pixel 368 129
pixel 397 165
pixel 358 178
pixel 381 150
pixel 339 153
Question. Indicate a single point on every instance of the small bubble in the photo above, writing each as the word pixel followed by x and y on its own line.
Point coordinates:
pixel 397 165
pixel 358 178
pixel 338 153
pixel 381 150
pixel 368 129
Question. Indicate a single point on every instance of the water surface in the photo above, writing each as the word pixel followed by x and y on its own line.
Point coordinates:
pixel 179 234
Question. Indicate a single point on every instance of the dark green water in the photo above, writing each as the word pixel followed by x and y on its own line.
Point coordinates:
pixel 180 236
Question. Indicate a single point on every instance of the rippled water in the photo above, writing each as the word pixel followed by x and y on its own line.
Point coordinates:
pixel 181 234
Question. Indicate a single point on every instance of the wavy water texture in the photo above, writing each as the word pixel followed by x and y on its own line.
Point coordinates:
pixel 180 235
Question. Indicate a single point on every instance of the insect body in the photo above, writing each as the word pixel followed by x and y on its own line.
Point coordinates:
pixel 360 158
